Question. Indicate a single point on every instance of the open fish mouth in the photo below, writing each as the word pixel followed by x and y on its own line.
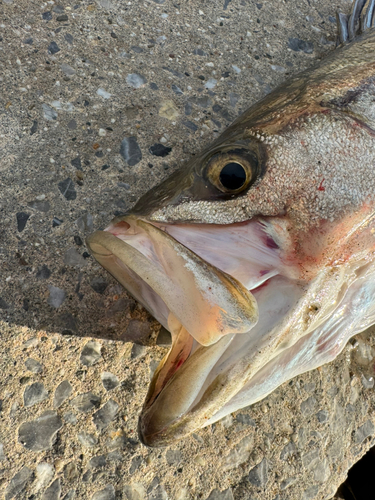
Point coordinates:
pixel 240 325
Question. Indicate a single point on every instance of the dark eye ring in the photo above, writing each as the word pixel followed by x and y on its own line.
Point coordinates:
pixel 232 171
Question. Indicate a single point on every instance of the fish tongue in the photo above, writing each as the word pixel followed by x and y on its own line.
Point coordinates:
pixel 206 301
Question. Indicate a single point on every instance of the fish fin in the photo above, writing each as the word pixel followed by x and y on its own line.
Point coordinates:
pixel 360 19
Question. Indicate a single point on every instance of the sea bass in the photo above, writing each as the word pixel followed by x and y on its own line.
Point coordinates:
pixel 259 254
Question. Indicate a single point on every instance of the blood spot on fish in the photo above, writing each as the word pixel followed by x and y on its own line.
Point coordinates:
pixel 321 187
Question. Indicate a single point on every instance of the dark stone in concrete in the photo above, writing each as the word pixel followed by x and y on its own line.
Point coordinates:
pixel 22 218
pixel 67 189
pixel 258 476
pixel 33 365
pixel 91 353
pixel 300 45
pixel 85 402
pixel 62 392
pixel 108 493
pixel 39 434
pixel 18 482
pixel 53 491
pixel 103 417
pixel 130 151
pixel 34 394
pixel 159 150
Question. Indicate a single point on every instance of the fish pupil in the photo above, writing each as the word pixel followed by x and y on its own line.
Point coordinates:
pixel 233 176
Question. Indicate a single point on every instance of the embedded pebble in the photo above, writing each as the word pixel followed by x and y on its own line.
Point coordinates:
pixel 86 439
pixel 73 258
pixel 62 392
pixel 70 418
pixel 135 80
pixel 288 451
pixel 99 284
pixel 321 471
pixel 307 406
pixel 34 394
pixel 22 218
pixel 160 150
pixel 67 70
pixel 258 476
pixel 70 472
pixel 85 222
pixel 287 482
pixel 2 454
pixel 368 383
pixel 134 491
pixel 44 475
pixel 43 273
pixel 138 331
pixel 103 417
pixel 48 112
pixel 173 456
pixel 363 432
pixel 85 402
pixel 211 83
pixel 322 416
pixel 190 125
pixel 130 151
pixel 108 493
pixel 109 381
pixel 39 434
pixel 42 206
pixel 238 454
pixel 164 338
pixel 97 462
pixel 33 365
pixel 310 493
pixel 53 48
pixel 300 45
pixel 103 93
pixel 177 90
pixel 221 495
pixel 18 482
pixel 56 222
pixel 53 491
pixel 158 493
pixel 67 189
pixel 91 353
pixel 168 110
pixel 137 350
pixel 56 296
pixel 71 495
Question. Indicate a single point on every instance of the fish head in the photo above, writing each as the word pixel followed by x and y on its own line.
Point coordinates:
pixel 247 253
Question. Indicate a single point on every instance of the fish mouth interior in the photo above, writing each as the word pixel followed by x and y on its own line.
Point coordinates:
pixel 201 282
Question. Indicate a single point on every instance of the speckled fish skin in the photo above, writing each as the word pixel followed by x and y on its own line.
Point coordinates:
pixel 300 239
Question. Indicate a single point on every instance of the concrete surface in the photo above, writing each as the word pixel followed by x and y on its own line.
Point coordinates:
pixel 87 88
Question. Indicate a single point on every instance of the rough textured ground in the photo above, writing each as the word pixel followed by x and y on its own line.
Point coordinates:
pixel 86 89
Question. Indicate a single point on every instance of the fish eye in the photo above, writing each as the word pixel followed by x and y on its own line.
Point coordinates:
pixel 232 176
pixel 232 171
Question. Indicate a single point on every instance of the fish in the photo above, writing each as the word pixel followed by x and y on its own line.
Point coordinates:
pixel 258 255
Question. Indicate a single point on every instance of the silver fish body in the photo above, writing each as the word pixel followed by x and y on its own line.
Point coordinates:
pixel 259 255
